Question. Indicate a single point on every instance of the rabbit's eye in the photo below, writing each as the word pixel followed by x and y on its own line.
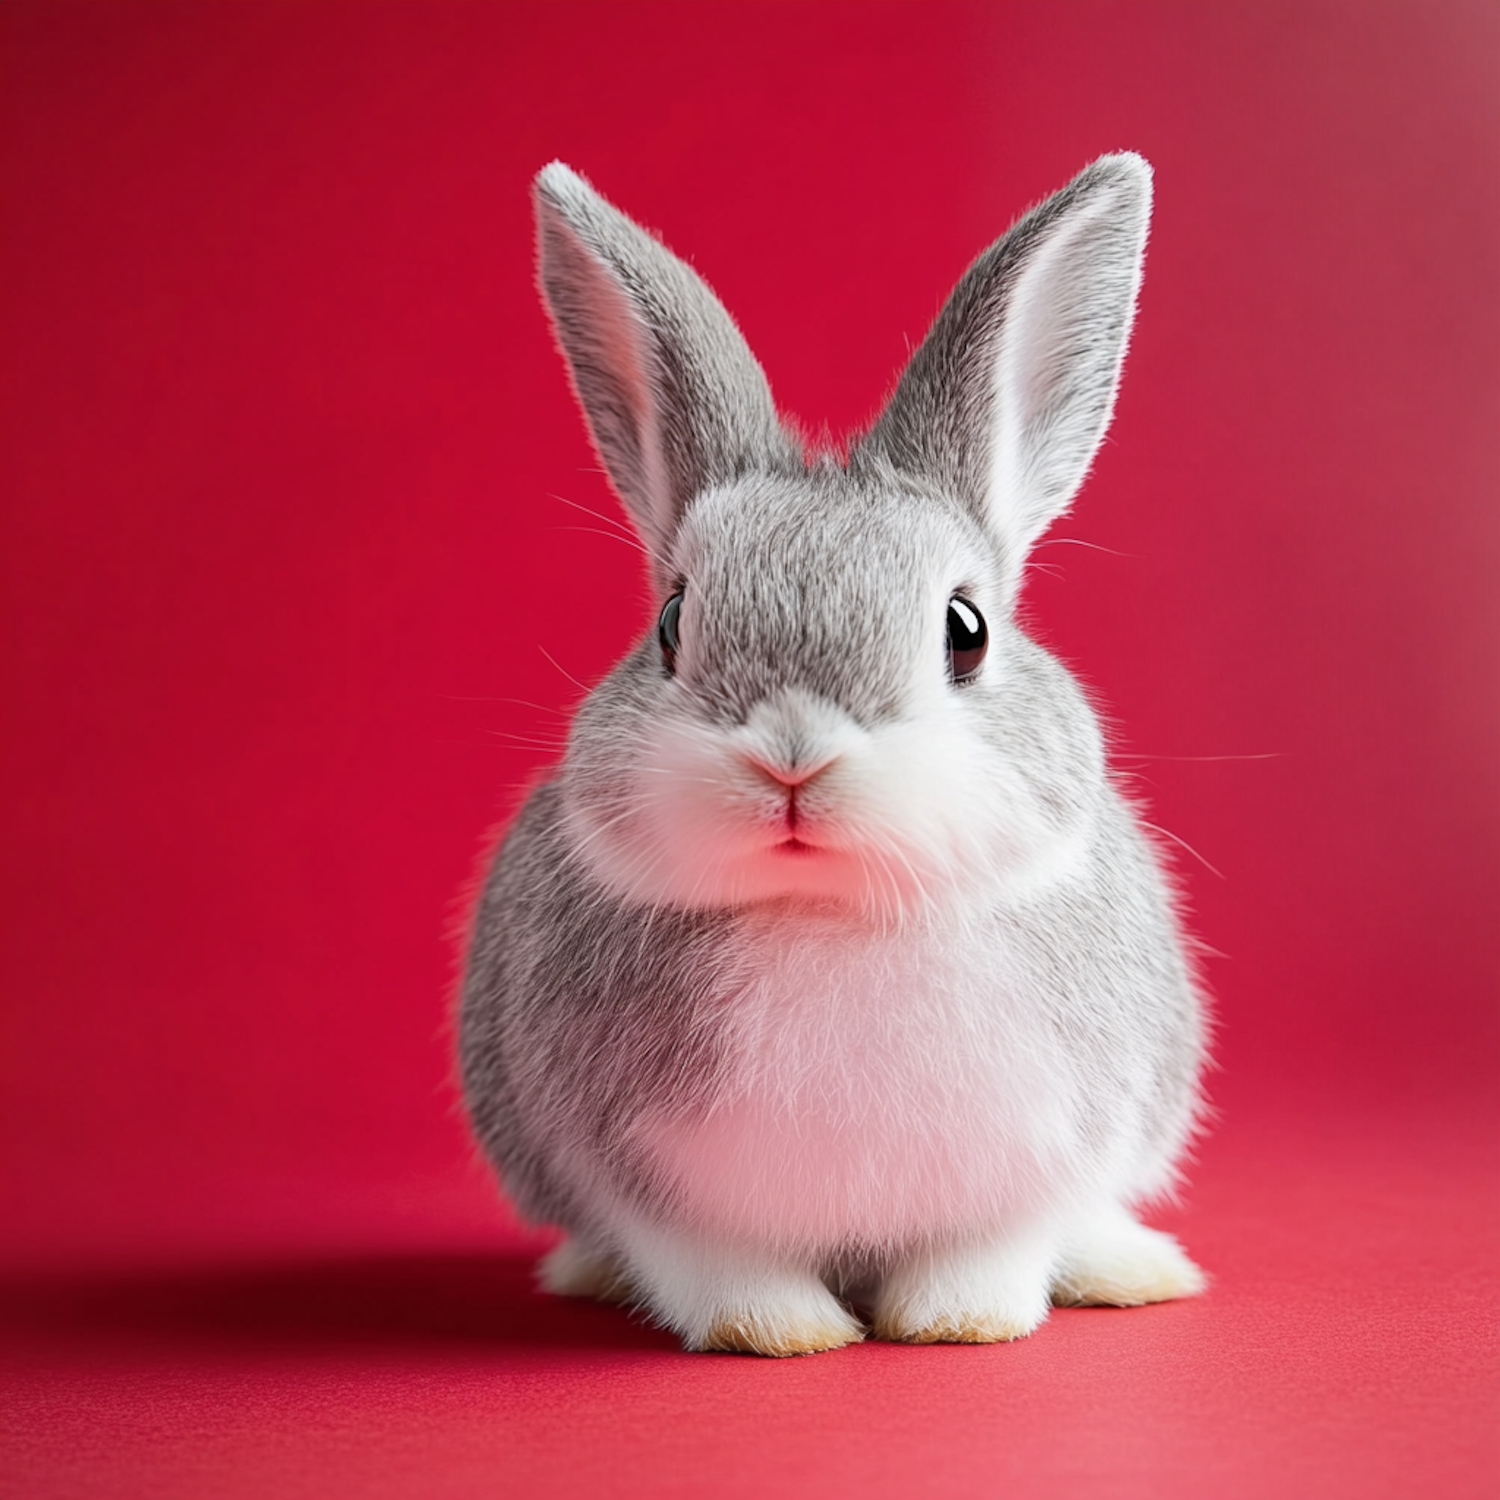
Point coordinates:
pixel 967 639
pixel 666 631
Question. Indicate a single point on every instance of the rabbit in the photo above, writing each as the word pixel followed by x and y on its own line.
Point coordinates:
pixel 830 986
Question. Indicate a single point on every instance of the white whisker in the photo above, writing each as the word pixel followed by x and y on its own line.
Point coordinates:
pixel 571 678
pixel 1182 844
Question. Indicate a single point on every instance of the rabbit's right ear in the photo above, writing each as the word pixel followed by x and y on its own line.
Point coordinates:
pixel 1006 401
pixel 674 399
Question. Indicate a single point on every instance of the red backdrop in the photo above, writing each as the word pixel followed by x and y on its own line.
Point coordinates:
pixel 283 440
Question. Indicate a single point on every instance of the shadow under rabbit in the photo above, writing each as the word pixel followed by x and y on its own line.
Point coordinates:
pixel 398 1301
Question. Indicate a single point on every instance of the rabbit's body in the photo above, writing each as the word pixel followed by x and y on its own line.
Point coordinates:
pixel 817 969
pixel 840 1092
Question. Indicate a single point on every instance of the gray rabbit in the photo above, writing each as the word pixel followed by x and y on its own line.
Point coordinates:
pixel 830 975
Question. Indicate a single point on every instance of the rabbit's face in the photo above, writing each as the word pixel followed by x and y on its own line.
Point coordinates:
pixel 804 732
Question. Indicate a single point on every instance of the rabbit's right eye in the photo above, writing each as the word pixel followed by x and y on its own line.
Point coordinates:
pixel 968 639
pixel 666 631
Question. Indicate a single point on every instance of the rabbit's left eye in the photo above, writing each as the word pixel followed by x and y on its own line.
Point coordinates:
pixel 968 639
pixel 666 631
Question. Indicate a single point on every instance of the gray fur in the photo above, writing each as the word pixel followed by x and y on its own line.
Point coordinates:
pixel 602 1009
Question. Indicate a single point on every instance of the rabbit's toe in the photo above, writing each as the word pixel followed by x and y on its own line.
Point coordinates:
pixel 990 1326
pixel 780 1334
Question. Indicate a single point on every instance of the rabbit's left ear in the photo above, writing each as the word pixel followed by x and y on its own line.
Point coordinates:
pixel 1006 401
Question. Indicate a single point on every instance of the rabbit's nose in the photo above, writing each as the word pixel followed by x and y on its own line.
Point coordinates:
pixel 789 774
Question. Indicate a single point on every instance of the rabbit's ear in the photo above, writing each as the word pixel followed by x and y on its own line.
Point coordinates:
pixel 1007 399
pixel 674 399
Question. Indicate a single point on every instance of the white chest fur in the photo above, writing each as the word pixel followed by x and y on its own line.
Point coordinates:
pixel 874 1089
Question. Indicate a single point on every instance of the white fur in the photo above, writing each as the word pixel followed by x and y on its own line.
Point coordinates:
pixel 977 1291
pixel 887 1102
pixel 878 1090
pixel 733 1294
pixel 908 815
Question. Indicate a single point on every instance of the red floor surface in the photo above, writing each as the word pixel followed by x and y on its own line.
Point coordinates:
pixel 290 615
pixel 1349 1347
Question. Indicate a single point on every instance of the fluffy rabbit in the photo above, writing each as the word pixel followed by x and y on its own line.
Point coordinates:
pixel 829 979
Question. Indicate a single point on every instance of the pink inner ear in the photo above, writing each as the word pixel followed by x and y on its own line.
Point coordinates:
pixel 619 345
pixel 1055 383
pixel 620 335
pixel 613 324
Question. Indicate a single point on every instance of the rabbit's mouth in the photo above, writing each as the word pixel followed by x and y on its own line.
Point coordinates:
pixel 793 845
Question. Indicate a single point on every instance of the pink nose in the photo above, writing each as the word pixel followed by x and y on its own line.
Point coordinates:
pixel 791 777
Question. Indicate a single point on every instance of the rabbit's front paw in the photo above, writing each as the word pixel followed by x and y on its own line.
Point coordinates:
pixel 976 1294
pixel 734 1298
pixel 1117 1262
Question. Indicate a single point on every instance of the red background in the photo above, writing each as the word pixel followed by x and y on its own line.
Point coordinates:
pixel 292 615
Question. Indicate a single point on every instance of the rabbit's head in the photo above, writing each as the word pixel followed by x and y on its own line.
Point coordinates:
pixel 835 706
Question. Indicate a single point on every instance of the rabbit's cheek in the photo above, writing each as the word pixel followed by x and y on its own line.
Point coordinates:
pixel 965 816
